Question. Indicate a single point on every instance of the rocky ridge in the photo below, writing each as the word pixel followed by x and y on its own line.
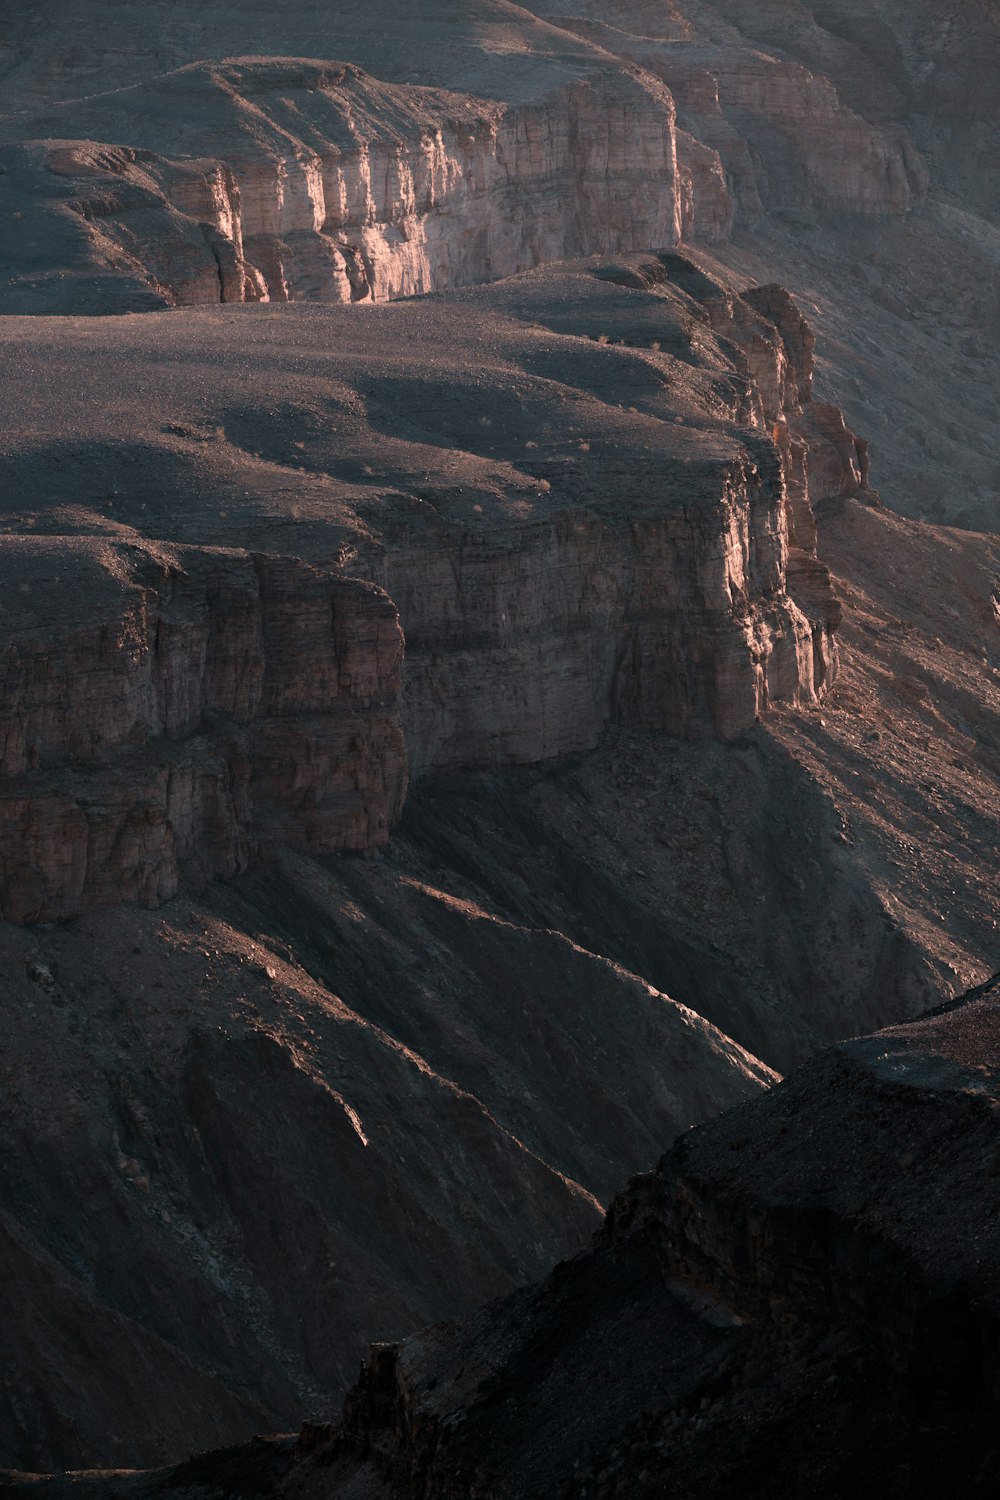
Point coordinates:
pixel 881 1273
pixel 745 1317
pixel 274 178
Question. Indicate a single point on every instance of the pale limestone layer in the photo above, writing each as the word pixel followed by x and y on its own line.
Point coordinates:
pixel 298 181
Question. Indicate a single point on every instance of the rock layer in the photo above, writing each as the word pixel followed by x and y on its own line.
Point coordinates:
pixel 280 178
pixel 581 533
pixel 308 181
pixel 175 705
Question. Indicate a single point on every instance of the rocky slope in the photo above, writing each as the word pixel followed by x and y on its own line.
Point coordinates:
pixel 781 1291
pixel 196 1129
pixel 477 1017
pixel 559 560
pixel 748 1320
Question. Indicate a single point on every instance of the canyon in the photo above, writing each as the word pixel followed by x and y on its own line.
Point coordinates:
pixel 498 666
pixel 650 581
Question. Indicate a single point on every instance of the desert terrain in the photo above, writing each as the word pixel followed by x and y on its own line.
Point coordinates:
pixel 499 666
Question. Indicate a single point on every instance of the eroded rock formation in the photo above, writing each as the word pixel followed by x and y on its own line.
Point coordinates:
pixel 275 179
pixel 314 182
pixel 583 532
pixel 747 1319
pixel 254 1121
pixel 163 705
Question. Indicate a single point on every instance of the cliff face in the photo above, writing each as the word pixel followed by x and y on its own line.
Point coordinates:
pixel 277 181
pixel 268 178
pixel 682 625
pixel 262 565
pixel 581 534
pixel 848 155
pixel 175 705
pixel 487 1002
pixel 783 136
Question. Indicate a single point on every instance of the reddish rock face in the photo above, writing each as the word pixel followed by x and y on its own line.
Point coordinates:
pixel 164 705
pixel 189 703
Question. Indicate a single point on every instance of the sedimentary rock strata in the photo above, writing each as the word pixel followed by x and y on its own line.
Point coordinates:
pixel 555 554
pixel 163 705
pixel 275 178
pixel 585 531
pixel 297 181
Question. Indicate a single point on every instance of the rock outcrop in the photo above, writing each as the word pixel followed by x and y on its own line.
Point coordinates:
pixel 747 1321
pixel 782 136
pixel 264 178
pixel 849 156
pixel 488 1001
pixel 163 705
pixel 584 532
pixel 263 565
pixel 275 181
pixel 741 1282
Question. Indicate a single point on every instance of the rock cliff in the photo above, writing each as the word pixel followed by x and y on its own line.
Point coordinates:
pixel 274 181
pixel 163 705
pixel 589 530
pixel 277 178
pixel 849 156
pixel 488 1000
pixel 555 554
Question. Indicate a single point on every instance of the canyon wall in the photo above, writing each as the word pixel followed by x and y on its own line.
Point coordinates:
pixel 771 134
pixel 179 706
pixel 680 624
pixel 262 567
pixel 189 703
pixel 275 179
pixel 309 181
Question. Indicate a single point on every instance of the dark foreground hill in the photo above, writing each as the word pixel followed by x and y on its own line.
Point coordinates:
pixel 803 1297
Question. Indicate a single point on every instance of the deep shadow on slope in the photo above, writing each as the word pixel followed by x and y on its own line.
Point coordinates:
pixel 748 1321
